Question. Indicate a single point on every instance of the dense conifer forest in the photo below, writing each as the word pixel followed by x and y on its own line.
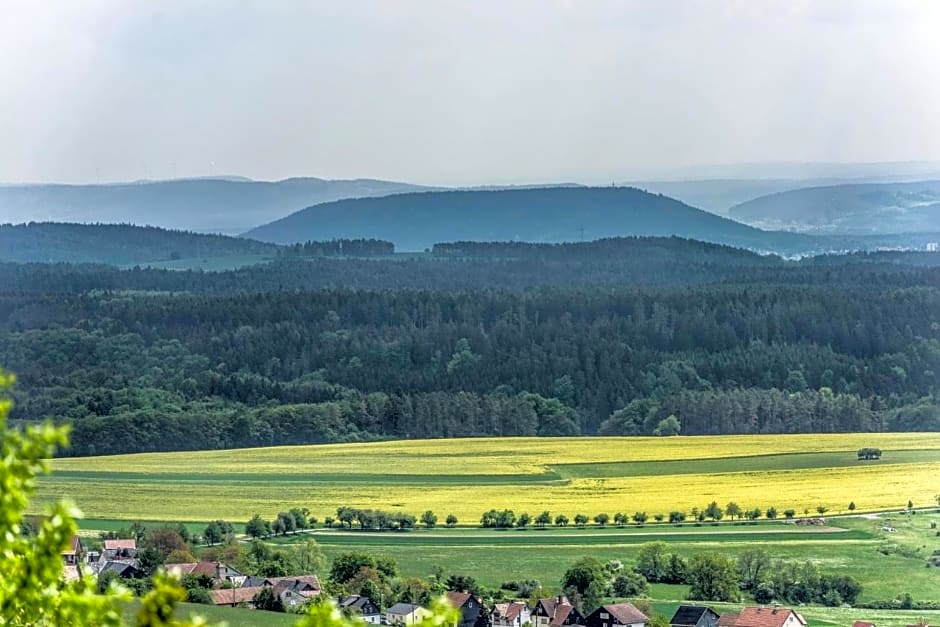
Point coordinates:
pixel 627 336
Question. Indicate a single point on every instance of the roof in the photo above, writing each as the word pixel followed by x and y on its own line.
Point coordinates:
pixel 626 613
pixel 116 545
pixel 764 617
pixel 689 615
pixel 121 568
pixel 355 601
pixel 180 569
pixel 861 623
pixel 509 611
pixel 727 619
pixel 231 596
pixel 403 609
pixel 458 599
pixel 299 583
pixel 557 609
pixel 75 546
pixel 297 586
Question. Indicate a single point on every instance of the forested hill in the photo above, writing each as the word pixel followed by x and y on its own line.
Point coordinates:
pixel 209 204
pixel 416 221
pixel 613 336
pixel 116 244
pixel 145 372
pixel 849 209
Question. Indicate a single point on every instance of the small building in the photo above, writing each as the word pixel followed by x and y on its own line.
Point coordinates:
pixel 363 607
pixel 556 612
pixel 617 615
pixel 862 623
pixel 295 591
pixel 512 614
pixel 72 560
pixel 120 549
pixel 769 617
pixel 471 608
pixel 125 569
pixel 234 597
pixel 694 616
pixel 405 614
pixel 217 571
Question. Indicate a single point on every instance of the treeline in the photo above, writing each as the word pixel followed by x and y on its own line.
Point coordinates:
pixel 617 262
pixel 340 248
pixel 710 577
pixel 153 371
pixel 115 243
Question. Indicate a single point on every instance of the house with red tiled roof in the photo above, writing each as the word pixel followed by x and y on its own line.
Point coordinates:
pixel 769 617
pixel 862 623
pixel 617 615
pixel 119 549
pixel 728 619
pixel 512 614
pixel 471 608
pixel 555 612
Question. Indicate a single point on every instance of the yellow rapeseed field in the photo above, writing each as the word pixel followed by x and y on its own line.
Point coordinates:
pixel 467 477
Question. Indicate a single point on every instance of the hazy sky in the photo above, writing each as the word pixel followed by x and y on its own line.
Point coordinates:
pixel 460 92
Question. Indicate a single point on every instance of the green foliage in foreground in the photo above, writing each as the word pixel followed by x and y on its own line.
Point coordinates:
pixel 32 587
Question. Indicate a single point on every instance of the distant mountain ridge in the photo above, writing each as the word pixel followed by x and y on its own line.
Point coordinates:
pixel 219 205
pixel 416 221
pixel 861 208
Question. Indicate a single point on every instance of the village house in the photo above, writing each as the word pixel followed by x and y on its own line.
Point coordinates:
pixel 617 615
pixel 363 607
pixel 295 591
pixel 217 571
pixel 470 607
pixel 769 617
pixel 405 614
pixel 72 559
pixel 120 549
pixel 862 623
pixel 694 616
pixel 512 614
pixel 555 612
pixel 125 569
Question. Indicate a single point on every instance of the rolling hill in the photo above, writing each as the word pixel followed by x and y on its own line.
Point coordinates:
pixel 220 205
pixel 118 244
pixel 416 221
pixel 847 209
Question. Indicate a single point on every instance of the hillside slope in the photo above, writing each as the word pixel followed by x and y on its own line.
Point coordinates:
pixel 416 221
pixel 847 209
pixel 215 205
pixel 115 244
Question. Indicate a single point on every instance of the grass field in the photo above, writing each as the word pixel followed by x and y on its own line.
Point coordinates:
pixel 467 477
pixel 855 546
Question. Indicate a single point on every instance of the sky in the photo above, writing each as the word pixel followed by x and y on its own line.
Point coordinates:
pixel 457 93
